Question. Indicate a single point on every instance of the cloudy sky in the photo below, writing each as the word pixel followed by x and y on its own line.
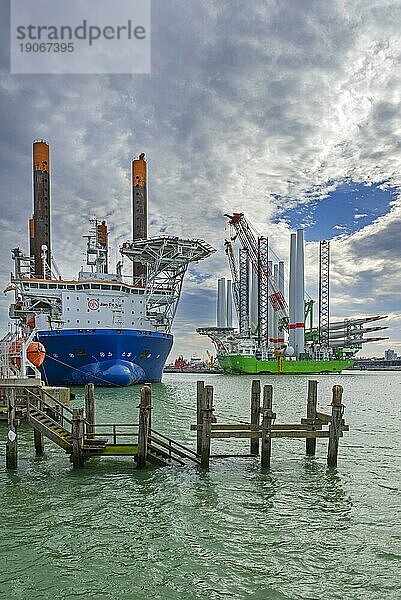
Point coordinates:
pixel 287 110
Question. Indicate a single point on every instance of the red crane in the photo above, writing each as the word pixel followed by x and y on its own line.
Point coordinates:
pixel 248 240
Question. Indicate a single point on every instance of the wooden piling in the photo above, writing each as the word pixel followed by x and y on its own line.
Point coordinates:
pixel 267 418
pixel 77 436
pixel 200 392
pixel 335 429
pixel 149 385
pixel 11 445
pixel 311 413
pixel 90 409
pixel 255 415
pixel 143 433
pixel 39 442
pixel 207 414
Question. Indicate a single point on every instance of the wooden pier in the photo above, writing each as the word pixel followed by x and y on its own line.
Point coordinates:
pixel 262 428
pixel 77 433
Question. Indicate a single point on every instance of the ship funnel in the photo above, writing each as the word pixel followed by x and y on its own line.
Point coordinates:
pixel 139 211
pixel 39 224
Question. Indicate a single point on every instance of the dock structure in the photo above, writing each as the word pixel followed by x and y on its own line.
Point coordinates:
pixel 262 427
pixel 76 431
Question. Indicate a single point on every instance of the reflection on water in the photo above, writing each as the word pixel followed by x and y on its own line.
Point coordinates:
pixel 297 531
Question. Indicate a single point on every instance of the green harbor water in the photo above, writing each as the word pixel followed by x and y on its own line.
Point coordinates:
pixel 299 531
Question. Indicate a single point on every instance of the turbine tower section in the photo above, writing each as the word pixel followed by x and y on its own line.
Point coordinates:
pixel 221 320
pixel 39 224
pixel 139 213
pixel 292 289
pixel 324 293
pixel 263 291
pixel 244 291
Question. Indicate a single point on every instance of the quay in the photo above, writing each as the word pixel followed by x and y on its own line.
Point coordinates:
pixel 77 433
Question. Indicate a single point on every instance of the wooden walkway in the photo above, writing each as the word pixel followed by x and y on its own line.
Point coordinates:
pixel 75 431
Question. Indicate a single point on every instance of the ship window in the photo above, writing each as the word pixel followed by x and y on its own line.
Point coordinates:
pixel 116 287
pixel 86 286
pixel 95 286
pixel 106 287
pixel 77 320
pixel 68 297
pixel 52 286
pixel 33 285
pixel 79 287
pixel 43 286
pixel 68 320
pixel 77 297
pixel 68 308
pixel 61 287
pixel 70 287
pixel 98 322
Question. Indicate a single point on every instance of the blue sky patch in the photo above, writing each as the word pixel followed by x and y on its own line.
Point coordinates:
pixel 348 208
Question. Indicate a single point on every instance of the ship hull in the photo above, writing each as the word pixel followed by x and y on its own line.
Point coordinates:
pixel 239 364
pixel 110 358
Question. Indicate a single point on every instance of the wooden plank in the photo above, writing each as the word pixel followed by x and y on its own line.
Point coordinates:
pixel 248 427
pixel 293 433
pixel 324 417
pixel 29 382
pixel 120 450
pixel 300 434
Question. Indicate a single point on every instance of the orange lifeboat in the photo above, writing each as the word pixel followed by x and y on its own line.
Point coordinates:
pixel 35 353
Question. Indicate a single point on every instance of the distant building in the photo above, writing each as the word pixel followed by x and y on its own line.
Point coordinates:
pixel 390 355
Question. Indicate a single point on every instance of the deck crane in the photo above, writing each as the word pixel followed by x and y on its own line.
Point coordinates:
pixel 234 275
pixel 248 240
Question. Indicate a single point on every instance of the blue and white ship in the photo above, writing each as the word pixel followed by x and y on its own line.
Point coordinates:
pixel 98 328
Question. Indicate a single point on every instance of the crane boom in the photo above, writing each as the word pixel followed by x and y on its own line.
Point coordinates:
pixel 247 238
pixel 234 275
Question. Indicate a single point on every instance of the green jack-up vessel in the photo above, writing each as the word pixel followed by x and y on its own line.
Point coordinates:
pixel 274 337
